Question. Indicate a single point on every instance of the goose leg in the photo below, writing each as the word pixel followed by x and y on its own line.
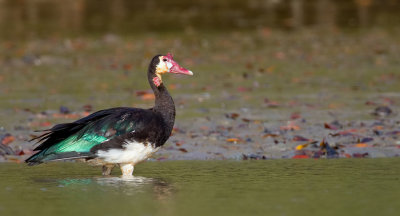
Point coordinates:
pixel 126 169
pixel 107 169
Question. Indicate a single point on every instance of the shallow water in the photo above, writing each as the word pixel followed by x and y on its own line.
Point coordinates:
pixel 273 187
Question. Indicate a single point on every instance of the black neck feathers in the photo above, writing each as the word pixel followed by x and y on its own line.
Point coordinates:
pixel 164 104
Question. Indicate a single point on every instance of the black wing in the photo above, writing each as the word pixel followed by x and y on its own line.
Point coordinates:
pixel 101 130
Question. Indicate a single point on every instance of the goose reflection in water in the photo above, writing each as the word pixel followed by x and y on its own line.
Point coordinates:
pixel 128 186
pixel 138 184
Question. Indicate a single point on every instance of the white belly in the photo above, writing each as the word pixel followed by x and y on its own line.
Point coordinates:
pixel 133 153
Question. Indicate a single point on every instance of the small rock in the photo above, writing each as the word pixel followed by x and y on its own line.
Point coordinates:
pixel 253 157
pixel 382 111
pixel 6 150
pixel 64 110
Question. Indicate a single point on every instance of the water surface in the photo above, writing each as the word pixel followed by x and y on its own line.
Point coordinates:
pixel 273 187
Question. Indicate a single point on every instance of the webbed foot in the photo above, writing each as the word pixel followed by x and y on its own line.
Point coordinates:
pixel 126 169
pixel 107 169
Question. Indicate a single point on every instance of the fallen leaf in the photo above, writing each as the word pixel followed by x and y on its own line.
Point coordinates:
pixel 249 65
pixel 145 95
pixel 66 116
pixel 280 55
pixel 183 150
pixel 177 130
pixel 295 116
pixel 298 138
pixel 148 96
pixel 232 115
pixel 88 108
pixel 335 105
pixel 204 128
pixel 361 145
pixel 127 66
pixel 45 124
pixel 300 157
pixel 246 120
pixel 232 140
pixel 270 135
pixel 85 113
pixel 244 89
pixel 178 143
pixel 347 155
pixel 270 103
pixel 300 147
pixel 296 80
pixel 359 155
pixel 14 159
pixel 7 139
pixel 172 86
pixel 290 126
pixel 257 121
pixel 329 126
pixel 371 103
pixel 349 132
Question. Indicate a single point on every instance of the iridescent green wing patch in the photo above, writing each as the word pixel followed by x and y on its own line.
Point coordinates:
pixel 93 133
pixel 83 144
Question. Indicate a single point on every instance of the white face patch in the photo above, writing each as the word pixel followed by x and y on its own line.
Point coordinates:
pixel 162 67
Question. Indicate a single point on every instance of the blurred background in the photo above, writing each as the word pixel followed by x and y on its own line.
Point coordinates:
pixel 275 45
pixel 288 66
pixel 40 18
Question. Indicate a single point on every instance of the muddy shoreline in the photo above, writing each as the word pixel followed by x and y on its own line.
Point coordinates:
pixel 241 136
